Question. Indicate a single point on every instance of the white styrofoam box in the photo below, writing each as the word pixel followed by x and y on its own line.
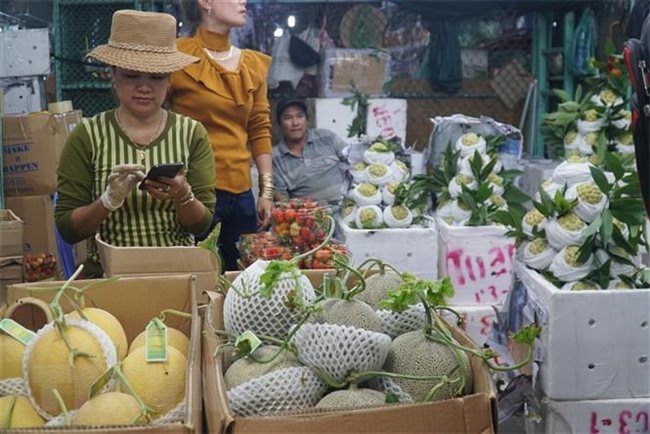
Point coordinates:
pixel 23 95
pixel 595 344
pixel 330 114
pixel 535 172
pixel 407 249
pixel 477 321
pixel 24 53
pixel 604 416
pixel 387 118
pixel 478 260
pixel 417 163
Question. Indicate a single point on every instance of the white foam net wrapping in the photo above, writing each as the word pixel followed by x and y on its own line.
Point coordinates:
pixel 566 272
pixel 336 350
pixel 13 386
pixel 263 316
pixel 585 210
pixel 559 237
pixel 362 200
pixel 376 220
pixel 585 127
pixel 278 391
pixel 397 323
pixel 176 414
pixel 393 222
pixel 379 180
pixel 455 188
pixel 571 173
pixel 370 156
pixel 60 420
pixel 466 150
pixel 108 351
pixel 387 385
pixel 539 261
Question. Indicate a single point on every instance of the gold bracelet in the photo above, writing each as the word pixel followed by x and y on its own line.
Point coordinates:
pixel 266 186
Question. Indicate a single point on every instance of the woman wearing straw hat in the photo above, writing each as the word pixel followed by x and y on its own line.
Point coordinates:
pixel 105 156
pixel 226 91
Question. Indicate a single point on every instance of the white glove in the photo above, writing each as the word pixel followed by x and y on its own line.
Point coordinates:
pixel 123 178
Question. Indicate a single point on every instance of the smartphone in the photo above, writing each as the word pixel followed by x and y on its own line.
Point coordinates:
pixel 169 170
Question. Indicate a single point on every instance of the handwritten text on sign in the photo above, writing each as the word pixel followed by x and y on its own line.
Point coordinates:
pixel 482 278
pixel 626 422
pixel 387 118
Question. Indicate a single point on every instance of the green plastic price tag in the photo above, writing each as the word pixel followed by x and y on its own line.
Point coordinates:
pixel 16 331
pixel 102 381
pixel 247 342
pixel 156 341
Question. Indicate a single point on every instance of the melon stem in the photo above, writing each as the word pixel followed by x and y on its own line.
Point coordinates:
pixel 361 286
pixel 459 319
pixel 163 314
pixel 285 343
pixel 64 410
pixel 9 414
pixel 144 409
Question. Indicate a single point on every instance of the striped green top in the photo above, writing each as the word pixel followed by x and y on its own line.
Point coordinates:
pixel 97 144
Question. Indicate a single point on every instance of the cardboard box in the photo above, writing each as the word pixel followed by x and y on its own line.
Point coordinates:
pixel 11 273
pixel 31 149
pixel 604 416
pixel 37 212
pixel 387 119
pixel 475 413
pixel 134 302
pixel 11 233
pixel 410 249
pixel 479 261
pixel 369 69
pixel 594 344
pixel 149 261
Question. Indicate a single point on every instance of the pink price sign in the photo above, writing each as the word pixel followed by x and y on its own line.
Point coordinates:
pixel 480 277
pixel 625 422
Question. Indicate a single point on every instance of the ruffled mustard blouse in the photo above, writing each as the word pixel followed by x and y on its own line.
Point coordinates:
pixel 232 105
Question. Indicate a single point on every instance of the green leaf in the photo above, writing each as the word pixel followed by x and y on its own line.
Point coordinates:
pixel 607 227
pixel 578 94
pixel 483 192
pixel 601 274
pixel 485 171
pixel 513 195
pixel 621 242
pixel 475 163
pixel 587 249
pixel 600 179
pixel 562 95
pixel 570 106
pixel 527 334
pixel 509 175
pixel 272 274
pixel 593 227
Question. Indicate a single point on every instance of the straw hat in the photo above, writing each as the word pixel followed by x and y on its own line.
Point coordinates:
pixel 144 42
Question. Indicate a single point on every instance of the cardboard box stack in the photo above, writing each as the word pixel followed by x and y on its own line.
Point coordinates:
pixel 11 251
pixel 32 145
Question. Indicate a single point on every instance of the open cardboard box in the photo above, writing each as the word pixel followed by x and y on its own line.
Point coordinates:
pixel 475 413
pixel 134 302
pixel 149 261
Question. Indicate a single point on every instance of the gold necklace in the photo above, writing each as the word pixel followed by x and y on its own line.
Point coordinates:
pixel 141 154
pixel 224 58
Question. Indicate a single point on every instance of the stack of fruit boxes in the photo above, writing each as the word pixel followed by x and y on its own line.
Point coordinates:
pixel 479 262
pixel 593 355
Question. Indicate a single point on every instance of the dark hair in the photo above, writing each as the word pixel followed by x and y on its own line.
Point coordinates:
pixel 192 15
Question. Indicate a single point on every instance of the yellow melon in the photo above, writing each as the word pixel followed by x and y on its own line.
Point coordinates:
pixel 23 416
pixel 175 338
pixel 160 385
pixel 107 322
pixel 49 368
pixel 11 357
pixel 112 408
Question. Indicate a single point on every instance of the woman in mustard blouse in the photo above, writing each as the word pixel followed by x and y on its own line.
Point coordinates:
pixel 226 91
